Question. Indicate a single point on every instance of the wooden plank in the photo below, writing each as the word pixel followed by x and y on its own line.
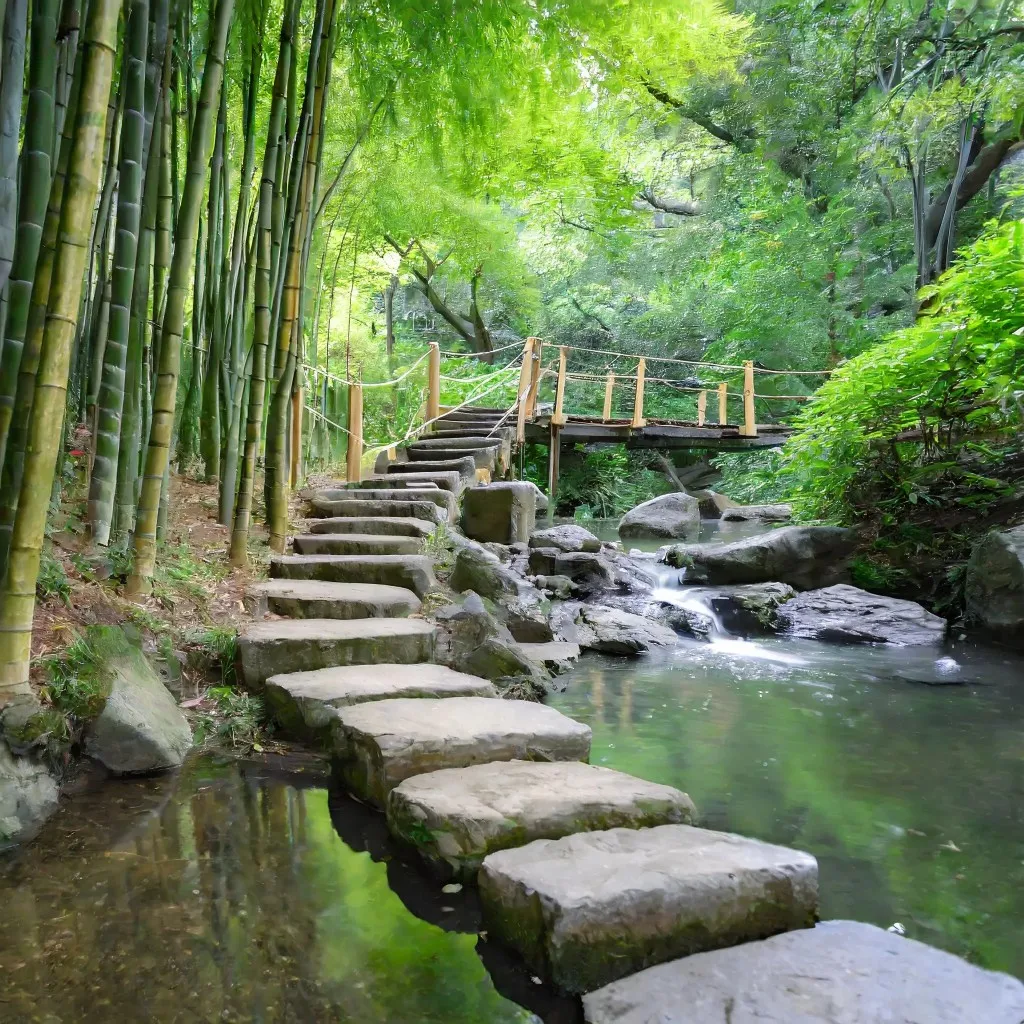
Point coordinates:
pixel 749 428
pixel 558 417
pixel 433 382
pixel 723 402
pixel 525 371
pixel 535 374
pixel 638 402
pixel 609 389
pixel 702 408
pixel 554 465
pixel 354 452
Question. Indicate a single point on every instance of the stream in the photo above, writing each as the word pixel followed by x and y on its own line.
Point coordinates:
pixel 237 891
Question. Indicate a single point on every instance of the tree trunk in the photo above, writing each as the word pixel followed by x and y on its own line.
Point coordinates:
pixel 158 448
pixel 17 597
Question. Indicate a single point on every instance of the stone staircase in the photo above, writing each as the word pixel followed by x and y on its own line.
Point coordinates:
pixel 593 877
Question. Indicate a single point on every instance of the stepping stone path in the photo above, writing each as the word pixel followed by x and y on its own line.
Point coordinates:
pixel 590 875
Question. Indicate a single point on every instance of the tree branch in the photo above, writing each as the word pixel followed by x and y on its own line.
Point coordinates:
pixel 680 207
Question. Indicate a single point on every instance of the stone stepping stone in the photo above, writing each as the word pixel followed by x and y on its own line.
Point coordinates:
pixel 411 572
pixel 842 972
pixel 458 816
pixel 355 544
pixel 301 645
pixel 591 908
pixel 484 458
pixel 315 599
pixel 419 474
pixel 464 465
pixel 379 745
pixel 376 508
pixel 447 441
pixel 305 702
pixel 390 526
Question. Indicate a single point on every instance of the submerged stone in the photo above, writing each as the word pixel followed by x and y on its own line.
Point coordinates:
pixel 458 816
pixel 28 796
pixel 841 972
pixel 591 908
pixel 380 744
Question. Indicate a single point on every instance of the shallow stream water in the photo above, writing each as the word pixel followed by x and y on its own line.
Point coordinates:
pixel 237 892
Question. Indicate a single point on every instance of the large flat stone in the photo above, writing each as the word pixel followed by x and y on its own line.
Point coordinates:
pixel 555 654
pixel 300 645
pixel 842 972
pixel 458 816
pixel 386 526
pixel 419 474
pixel 591 908
pixel 356 544
pixel 412 572
pixel 315 599
pixel 304 702
pixel 484 457
pixel 464 465
pixel 412 508
pixel 381 744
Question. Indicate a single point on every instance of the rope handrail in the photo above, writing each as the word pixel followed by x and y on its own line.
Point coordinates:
pixel 373 384
pixel 478 355
pixel 682 362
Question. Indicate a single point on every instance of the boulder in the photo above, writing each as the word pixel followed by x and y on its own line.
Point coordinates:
pixel 504 512
pixel 556 655
pixel 28 796
pixel 555 586
pixel 848 614
pixel 458 816
pixel 141 728
pixel 805 557
pixel 745 609
pixel 841 972
pixel 567 537
pixel 612 631
pixel 779 513
pixel 671 515
pixel 995 584
pixel 712 504
pixel 379 744
pixel 481 571
pixel 590 908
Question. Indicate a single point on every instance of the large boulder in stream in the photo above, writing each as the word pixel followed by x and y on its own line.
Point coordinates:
pixel 567 537
pixel 806 557
pixel 758 514
pixel 671 515
pixel 850 615
pixel 995 584
pixel 612 631
pixel 749 609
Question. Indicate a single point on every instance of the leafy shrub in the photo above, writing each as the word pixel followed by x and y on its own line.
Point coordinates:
pixel 52 580
pixel 239 719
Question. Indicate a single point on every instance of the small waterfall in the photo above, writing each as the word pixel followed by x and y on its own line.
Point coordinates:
pixel 694 600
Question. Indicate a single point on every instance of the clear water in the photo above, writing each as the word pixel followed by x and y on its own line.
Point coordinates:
pixel 911 796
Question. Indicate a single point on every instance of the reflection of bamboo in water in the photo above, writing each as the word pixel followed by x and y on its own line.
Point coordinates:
pixel 626 706
pixel 597 695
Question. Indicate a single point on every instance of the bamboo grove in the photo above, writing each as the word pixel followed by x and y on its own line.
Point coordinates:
pixel 131 248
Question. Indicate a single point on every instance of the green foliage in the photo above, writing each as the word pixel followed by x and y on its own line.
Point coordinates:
pixel 605 482
pixel 218 646
pixel 751 478
pixel 76 684
pixel 238 719
pixel 52 580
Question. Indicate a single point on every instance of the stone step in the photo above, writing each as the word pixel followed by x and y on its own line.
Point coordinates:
pixel 465 466
pixel 446 480
pixel 376 746
pixel 458 816
pixel 484 458
pixel 299 645
pixel 507 432
pixel 387 488
pixel 355 544
pixel 397 483
pixel 413 572
pixel 315 599
pixel 304 702
pixel 591 908
pixel 841 972
pixel 380 508
pixel 471 442
pixel 385 526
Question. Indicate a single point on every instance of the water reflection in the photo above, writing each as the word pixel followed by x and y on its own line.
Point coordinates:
pixel 911 796
pixel 227 895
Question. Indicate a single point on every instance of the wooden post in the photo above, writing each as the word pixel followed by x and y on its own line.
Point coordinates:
pixel 723 403
pixel 638 403
pixel 554 460
pixel 433 383
pixel 535 372
pixel 702 408
pixel 558 417
pixel 749 428
pixel 525 372
pixel 609 388
pixel 296 438
pixel 354 454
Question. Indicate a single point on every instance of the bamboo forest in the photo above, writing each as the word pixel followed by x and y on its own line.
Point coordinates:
pixel 512 512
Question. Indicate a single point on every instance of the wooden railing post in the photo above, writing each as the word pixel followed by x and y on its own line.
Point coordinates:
pixel 434 382
pixel 535 375
pixel 723 403
pixel 522 391
pixel 354 453
pixel 609 388
pixel 296 438
pixel 558 417
pixel 749 428
pixel 702 408
pixel 638 403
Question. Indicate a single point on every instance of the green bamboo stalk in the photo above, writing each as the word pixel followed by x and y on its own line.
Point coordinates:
pixel 17 595
pixel 36 161
pixel 11 86
pixel 158 448
pixel 110 401
pixel 264 268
